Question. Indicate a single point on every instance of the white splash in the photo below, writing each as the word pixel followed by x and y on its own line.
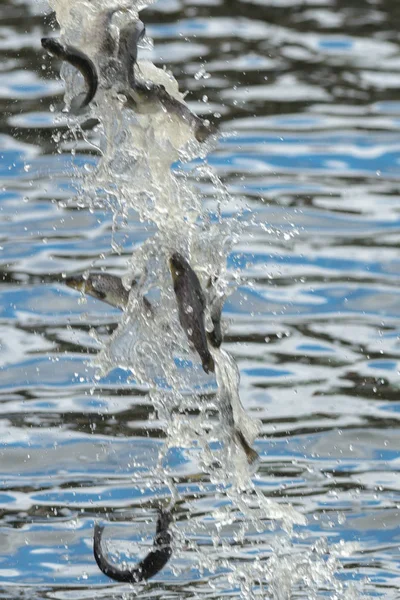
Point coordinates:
pixel 134 172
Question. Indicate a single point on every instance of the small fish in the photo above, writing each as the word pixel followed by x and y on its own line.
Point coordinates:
pixel 105 287
pixel 145 96
pixel 155 560
pixel 129 39
pixel 191 305
pixel 77 59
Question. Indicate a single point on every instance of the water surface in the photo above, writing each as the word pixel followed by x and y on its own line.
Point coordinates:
pixel 308 99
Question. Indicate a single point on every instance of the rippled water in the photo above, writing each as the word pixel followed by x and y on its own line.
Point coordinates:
pixel 308 100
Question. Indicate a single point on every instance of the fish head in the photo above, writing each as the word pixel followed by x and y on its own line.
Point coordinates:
pixel 52 45
pixel 94 285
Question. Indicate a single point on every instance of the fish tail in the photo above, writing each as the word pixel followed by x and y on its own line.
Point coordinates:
pixel 208 363
pixel 251 454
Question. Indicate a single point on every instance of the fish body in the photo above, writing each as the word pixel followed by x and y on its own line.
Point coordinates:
pixel 105 287
pixel 129 39
pixel 77 59
pixel 147 97
pixel 172 105
pixel 107 42
pixel 243 428
pixel 225 405
pixel 153 562
pixel 191 305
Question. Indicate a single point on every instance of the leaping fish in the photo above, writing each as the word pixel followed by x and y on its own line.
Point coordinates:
pixel 105 287
pixel 77 59
pixel 191 305
pixel 146 96
pixel 142 96
pixel 129 38
pixel 153 562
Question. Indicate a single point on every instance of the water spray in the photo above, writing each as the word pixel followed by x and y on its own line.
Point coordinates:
pixel 171 298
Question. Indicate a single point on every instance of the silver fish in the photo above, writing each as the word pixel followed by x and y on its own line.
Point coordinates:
pixel 147 97
pixel 105 287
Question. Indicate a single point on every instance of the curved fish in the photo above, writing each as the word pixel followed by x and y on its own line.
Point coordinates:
pixel 129 39
pixel 191 305
pixel 146 96
pixel 77 59
pixel 155 560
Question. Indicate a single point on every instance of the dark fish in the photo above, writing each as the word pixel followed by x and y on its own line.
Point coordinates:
pixel 155 560
pixel 191 305
pixel 129 39
pixel 77 59
pixel 147 93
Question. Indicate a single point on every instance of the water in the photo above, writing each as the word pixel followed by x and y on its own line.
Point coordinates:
pixel 308 99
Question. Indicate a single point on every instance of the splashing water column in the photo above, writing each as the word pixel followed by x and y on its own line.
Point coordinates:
pixel 144 129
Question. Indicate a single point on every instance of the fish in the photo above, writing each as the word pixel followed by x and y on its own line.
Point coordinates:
pixel 129 39
pixel 146 96
pixel 117 58
pixel 226 408
pixel 107 288
pixel 153 562
pixel 103 286
pixel 77 59
pixel 191 305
